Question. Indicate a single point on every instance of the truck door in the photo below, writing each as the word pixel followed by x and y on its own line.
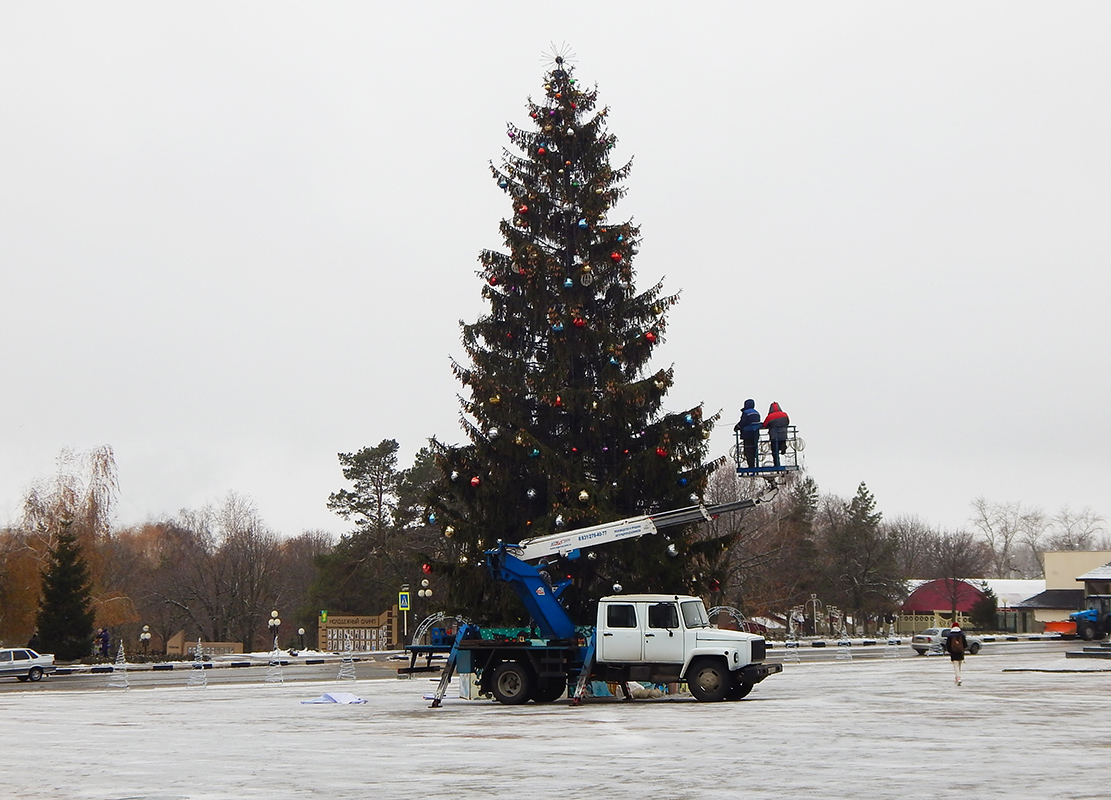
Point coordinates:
pixel 621 638
pixel 663 638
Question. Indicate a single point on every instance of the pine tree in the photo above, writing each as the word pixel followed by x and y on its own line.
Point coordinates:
pixel 862 564
pixel 566 424
pixel 65 616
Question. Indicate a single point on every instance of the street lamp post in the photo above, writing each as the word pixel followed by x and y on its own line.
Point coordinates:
pixel 301 633
pixel 273 623
pixel 144 637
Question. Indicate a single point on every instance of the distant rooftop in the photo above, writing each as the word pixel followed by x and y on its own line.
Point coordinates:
pixel 1098 574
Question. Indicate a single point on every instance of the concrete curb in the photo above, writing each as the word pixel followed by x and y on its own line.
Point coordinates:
pixel 159 666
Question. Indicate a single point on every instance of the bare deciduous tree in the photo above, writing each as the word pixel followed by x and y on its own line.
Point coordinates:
pixel 1013 532
pixel 1076 530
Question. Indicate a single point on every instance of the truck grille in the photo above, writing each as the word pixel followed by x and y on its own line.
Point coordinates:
pixel 759 650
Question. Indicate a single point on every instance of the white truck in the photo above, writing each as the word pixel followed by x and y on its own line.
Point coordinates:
pixel 657 638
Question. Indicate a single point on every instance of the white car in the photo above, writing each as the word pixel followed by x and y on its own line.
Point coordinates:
pixel 24 664
pixel 934 639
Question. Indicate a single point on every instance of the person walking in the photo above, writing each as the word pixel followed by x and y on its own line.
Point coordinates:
pixel 955 645
pixel 749 428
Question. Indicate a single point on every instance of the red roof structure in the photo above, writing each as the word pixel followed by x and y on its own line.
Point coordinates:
pixel 938 595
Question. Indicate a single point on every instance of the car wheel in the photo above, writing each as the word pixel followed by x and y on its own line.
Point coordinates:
pixel 35 674
pixel 512 684
pixel 708 680
pixel 974 648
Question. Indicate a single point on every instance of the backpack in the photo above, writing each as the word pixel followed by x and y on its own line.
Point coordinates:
pixel 956 644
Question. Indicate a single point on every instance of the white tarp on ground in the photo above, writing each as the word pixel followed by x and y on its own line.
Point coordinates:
pixel 342 698
pixel 873 728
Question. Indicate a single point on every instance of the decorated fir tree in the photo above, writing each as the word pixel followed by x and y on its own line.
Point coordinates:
pixel 566 420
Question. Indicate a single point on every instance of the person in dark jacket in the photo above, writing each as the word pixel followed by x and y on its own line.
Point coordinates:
pixel 776 422
pixel 749 428
pixel 955 645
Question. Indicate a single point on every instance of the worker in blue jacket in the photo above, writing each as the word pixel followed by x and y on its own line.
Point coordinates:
pixel 749 428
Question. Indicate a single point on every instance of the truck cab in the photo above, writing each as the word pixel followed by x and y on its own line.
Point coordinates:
pixel 668 638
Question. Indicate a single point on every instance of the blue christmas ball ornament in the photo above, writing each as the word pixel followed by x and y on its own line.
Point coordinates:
pixel 621 237
pixel 583 224
pixel 568 283
pixel 503 184
pixel 614 361
pixel 431 519
pixel 534 453
pixel 558 327
pixel 682 481
pixel 689 418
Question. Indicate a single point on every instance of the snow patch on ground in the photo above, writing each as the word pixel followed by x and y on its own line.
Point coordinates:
pixel 878 728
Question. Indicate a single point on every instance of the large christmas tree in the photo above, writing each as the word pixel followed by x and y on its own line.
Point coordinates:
pixel 564 416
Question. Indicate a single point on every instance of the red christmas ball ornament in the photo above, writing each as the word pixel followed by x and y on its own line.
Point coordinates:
pixel 558 401
pixel 660 451
pixel 541 151
pixel 493 280
pixel 650 337
pixel 426 569
pixel 523 209
pixel 579 322
pixel 475 481
pixel 615 257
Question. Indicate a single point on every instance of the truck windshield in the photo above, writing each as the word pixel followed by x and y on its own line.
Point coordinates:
pixel 694 614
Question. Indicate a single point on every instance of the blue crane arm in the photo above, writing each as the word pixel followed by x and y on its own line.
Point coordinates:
pixel 540 597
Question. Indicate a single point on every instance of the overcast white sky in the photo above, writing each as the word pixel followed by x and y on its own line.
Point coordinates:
pixel 236 239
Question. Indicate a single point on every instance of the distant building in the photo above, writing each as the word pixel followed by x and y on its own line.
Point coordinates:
pixel 1063 570
pixel 931 603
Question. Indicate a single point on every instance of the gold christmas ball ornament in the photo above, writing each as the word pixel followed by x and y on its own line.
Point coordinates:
pixel 449 531
pixel 583 496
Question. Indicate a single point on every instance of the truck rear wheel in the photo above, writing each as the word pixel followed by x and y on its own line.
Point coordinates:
pixel 548 690
pixel 709 680
pixel 512 683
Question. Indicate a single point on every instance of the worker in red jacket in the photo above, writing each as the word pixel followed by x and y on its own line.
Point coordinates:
pixel 776 422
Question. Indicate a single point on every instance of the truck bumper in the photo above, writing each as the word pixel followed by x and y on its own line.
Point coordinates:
pixel 754 673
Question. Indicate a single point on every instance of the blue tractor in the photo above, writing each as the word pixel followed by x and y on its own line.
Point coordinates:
pixel 1094 622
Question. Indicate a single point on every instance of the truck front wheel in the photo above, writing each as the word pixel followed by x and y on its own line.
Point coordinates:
pixel 1086 630
pixel 739 691
pixel 512 683
pixel 709 680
